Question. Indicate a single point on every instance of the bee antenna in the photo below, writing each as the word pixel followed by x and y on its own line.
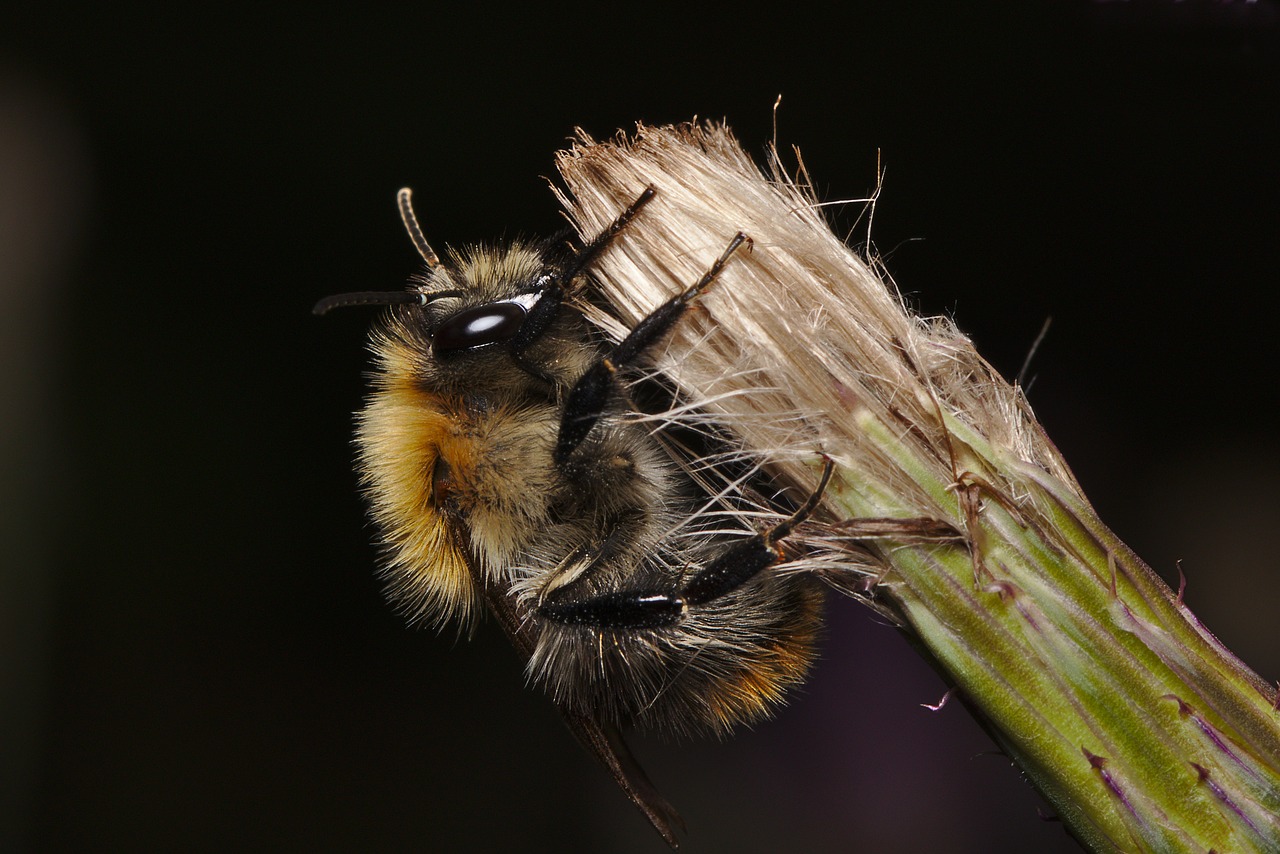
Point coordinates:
pixel 369 298
pixel 405 199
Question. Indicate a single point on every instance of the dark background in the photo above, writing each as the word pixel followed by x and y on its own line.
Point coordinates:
pixel 196 654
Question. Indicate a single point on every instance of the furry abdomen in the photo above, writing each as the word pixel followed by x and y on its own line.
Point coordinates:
pixel 729 662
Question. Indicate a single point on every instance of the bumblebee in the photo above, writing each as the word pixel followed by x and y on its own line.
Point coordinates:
pixel 515 461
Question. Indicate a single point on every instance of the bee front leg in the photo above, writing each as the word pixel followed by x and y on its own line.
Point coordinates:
pixel 590 395
pixel 654 609
pixel 549 303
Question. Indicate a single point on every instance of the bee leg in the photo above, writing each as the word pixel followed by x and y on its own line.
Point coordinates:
pixel 547 308
pixel 651 609
pixel 593 249
pixel 622 609
pixel 587 399
pixel 540 317
pixel 740 562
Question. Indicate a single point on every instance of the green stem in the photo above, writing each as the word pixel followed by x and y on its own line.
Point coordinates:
pixel 1136 723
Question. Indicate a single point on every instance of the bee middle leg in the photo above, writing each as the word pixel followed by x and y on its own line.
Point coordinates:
pixel 588 398
pixel 655 609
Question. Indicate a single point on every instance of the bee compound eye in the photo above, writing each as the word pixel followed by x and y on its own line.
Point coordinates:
pixel 478 327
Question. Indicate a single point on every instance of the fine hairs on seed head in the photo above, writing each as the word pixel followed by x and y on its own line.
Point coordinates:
pixel 803 337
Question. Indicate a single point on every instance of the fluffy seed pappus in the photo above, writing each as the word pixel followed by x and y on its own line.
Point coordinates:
pixel 517 460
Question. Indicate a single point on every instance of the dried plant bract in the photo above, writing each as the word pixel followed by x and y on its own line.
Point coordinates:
pixel 949 509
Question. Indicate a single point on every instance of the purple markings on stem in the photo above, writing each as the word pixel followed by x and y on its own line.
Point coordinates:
pixel 1210 732
pixel 1220 794
pixel 1100 765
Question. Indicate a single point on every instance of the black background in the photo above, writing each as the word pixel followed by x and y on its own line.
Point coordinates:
pixel 196 652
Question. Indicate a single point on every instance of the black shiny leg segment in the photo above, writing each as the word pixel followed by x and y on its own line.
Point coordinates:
pixel 549 303
pixel 589 252
pixel 590 395
pixel 652 609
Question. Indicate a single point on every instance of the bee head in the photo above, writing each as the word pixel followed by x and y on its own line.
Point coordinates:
pixel 481 299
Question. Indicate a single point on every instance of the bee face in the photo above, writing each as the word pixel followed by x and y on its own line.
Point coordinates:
pixel 507 462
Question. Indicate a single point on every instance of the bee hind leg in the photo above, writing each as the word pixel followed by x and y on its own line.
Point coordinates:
pixel 654 609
